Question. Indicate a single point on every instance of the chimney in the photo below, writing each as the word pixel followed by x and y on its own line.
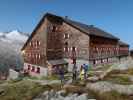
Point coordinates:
pixel 66 17
pixel 91 25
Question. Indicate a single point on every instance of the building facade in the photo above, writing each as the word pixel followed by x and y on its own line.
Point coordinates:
pixel 123 50
pixel 131 53
pixel 56 40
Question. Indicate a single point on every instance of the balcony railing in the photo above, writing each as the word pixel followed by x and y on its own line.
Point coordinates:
pixel 102 55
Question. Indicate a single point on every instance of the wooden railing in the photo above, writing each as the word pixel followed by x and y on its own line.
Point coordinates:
pixel 102 55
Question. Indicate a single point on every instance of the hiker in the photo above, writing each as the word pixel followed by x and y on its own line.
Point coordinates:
pixel 81 72
pixel 61 74
pixel 74 72
pixel 85 67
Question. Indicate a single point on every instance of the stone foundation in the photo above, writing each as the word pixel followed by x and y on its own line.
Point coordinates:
pixel 35 70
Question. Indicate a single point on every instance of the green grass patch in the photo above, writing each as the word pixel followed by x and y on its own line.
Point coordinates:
pixel 112 95
pixel 21 90
pixel 50 77
pixel 130 71
pixel 102 67
pixel 118 79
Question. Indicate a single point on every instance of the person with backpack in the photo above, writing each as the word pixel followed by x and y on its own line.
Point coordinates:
pixel 85 67
pixel 61 75
pixel 74 72
pixel 81 75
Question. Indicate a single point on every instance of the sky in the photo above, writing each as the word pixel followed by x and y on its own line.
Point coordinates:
pixel 113 16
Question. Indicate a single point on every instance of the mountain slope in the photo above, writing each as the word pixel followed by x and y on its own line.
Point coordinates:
pixel 10 45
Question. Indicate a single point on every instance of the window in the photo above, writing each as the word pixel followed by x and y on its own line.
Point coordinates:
pixel 66 43
pixel 38 70
pixel 36 56
pixel 32 55
pixel 33 69
pixel 54 29
pixel 31 44
pixel 39 56
pixel 73 49
pixel 38 43
pixel 29 67
pixel 66 49
pixel 94 62
pixel 29 54
pixel 66 36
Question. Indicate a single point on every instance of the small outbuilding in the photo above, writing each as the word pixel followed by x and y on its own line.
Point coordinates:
pixel 13 74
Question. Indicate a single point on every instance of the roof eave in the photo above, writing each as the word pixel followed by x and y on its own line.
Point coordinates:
pixel 33 32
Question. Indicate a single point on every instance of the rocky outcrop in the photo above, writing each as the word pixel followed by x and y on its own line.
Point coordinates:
pixel 53 95
pixel 104 86
pixel 127 64
pixel 101 74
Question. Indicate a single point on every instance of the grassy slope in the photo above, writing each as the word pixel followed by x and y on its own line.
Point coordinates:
pixel 27 90
pixel 22 90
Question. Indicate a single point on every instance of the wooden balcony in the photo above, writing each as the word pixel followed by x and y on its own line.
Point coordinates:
pixel 102 55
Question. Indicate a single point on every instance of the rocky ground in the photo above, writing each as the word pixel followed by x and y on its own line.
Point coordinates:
pixel 60 95
pixel 101 83
pixel 110 82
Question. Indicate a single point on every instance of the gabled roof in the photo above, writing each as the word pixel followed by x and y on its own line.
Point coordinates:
pixel 121 43
pixel 34 31
pixel 88 29
pixel 131 50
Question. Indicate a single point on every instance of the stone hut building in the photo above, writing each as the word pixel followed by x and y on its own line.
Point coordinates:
pixel 123 50
pixel 131 53
pixel 56 40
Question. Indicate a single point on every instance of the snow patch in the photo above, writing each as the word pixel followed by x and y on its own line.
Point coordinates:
pixel 13 36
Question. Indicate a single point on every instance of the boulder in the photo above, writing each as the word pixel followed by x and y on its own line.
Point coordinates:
pixel 82 97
